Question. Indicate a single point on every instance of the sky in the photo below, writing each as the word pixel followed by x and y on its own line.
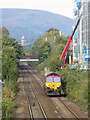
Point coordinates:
pixel 63 7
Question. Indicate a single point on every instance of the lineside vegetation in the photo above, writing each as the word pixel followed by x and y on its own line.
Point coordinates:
pixel 11 52
pixel 49 48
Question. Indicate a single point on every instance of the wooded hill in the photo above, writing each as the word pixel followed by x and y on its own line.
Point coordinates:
pixel 34 23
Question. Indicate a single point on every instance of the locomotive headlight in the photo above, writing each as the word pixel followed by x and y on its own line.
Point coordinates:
pixel 58 85
pixel 47 86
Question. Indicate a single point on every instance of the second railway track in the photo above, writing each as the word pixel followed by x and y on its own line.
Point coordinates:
pixel 35 108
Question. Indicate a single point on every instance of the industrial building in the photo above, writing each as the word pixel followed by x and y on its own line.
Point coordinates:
pixel 81 43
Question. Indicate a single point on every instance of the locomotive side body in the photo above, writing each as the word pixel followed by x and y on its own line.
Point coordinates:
pixel 52 84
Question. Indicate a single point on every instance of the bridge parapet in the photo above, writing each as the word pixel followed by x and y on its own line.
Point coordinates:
pixel 29 58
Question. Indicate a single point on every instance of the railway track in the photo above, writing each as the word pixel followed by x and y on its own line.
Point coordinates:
pixel 31 85
pixel 35 103
pixel 29 106
pixel 64 110
pixel 61 114
pixel 76 116
pixel 73 113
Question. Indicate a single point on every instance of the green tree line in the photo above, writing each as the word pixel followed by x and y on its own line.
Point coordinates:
pixel 11 52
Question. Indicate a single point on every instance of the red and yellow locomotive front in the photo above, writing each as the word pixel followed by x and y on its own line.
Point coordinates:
pixel 52 83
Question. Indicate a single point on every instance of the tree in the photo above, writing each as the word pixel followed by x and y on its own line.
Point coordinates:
pixel 11 42
pixel 4 31
pixel 9 61
pixel 11 52
pixel 55 64
pixel 44 51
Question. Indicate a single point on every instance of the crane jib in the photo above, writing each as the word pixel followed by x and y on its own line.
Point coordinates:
pixel 76 25
pixel 70 39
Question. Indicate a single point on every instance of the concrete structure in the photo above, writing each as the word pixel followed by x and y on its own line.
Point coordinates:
pixel 81 44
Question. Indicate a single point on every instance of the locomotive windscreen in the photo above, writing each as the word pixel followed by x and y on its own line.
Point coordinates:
pixel 56 79
pixel 49 79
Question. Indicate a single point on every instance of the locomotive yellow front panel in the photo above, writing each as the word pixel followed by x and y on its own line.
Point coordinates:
pixel 53 85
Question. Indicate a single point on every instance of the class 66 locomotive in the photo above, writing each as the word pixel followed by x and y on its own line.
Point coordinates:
pixel 52 85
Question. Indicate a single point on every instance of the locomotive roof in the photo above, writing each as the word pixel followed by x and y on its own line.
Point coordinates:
pixel 51 73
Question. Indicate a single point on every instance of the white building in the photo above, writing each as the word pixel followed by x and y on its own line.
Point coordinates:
pixel 23 41
pixel 81 44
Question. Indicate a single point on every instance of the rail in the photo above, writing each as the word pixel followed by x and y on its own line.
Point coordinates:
pixel 30 109
pixel 70 109
pixel 39 102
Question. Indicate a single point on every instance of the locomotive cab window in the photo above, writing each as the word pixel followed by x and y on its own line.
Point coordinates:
pixel 56 79
pixel 49 79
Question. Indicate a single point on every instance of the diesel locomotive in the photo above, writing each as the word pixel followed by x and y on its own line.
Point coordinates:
pixel 52 85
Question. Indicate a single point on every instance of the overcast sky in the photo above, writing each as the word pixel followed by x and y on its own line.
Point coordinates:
pixel 63 7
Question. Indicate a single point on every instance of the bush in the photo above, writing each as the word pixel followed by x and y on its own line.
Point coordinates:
pixel 75 86
pixel 55 64
pixel 8 102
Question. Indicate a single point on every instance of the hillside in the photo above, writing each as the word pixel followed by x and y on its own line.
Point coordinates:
pixel 34 23
pixel 48 48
